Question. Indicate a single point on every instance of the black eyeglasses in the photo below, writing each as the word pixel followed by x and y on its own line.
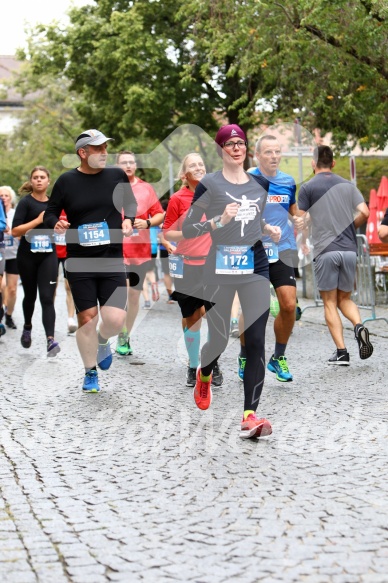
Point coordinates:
pixel 233 145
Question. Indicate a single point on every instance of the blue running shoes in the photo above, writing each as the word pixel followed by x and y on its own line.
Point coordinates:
pixel 280 367
pixel 241 361
pixel 91 382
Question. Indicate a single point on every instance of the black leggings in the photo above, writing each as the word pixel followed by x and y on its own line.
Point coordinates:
pixel 39 271
pixel 254 299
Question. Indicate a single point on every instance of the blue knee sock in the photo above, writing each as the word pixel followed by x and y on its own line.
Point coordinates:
pixel 192 341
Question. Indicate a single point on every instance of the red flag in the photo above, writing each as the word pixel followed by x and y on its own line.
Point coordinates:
pixel 372 226
pixel 382 195
pixel 373 199
pixel 374 218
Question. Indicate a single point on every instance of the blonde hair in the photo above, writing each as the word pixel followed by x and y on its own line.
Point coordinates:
pixel 11 193
pixel 182 168
pixel 26 188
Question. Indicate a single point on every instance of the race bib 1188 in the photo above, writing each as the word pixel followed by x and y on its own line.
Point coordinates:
pixel 41 244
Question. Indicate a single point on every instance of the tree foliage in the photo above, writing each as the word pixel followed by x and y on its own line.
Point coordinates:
pixel 141 68
pixel 125 61
pixel 325 61
pixel 46 128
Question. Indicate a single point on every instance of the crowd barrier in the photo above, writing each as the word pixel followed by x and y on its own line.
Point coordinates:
pixel 364 288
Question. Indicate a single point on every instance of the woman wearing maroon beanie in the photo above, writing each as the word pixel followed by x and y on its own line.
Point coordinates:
pixel 233 202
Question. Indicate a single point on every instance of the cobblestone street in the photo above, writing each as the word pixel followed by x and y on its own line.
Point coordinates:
pixel 136 484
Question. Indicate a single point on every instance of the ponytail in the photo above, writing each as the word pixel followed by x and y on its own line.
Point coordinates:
pixel 26 188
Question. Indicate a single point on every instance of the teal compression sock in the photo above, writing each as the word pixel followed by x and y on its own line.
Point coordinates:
pixel 192 341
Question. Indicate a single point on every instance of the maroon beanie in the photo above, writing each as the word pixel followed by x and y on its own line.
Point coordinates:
pixel 230 131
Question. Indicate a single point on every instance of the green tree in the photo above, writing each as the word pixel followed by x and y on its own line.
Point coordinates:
pixel 46 129
pixel 143 68
pixel 125 61
pixel 322 60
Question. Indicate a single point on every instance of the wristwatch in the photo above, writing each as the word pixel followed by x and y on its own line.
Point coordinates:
pixel 217 222
pixel 148 223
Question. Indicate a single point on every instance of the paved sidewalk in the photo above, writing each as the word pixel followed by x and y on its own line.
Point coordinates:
pixel 136 484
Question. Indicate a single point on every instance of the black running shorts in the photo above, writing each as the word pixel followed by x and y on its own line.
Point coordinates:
pixel 104 288
pixel 282 272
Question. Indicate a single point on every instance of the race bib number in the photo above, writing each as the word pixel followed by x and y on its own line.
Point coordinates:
pixel 8 240
pixel 41 244
pixel 175 266
pixel 272 251
pixel 234 259
pixel 60 239
pixel 93 234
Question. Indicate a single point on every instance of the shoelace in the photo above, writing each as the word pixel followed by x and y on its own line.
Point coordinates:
pixel 252 417
pixel 203 389
pixel 283 363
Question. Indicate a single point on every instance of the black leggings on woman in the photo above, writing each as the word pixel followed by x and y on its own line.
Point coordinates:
pixel 39 271
pixel 254 299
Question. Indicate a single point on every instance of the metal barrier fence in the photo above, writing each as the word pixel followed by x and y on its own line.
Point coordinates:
pixel 364 288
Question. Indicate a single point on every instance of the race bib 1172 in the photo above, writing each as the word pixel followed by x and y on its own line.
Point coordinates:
pixel 234 259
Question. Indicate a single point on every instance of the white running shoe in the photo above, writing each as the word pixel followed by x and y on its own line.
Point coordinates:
pixel 71 325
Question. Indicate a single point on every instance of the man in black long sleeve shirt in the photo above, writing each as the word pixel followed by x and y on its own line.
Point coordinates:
pixel 95 200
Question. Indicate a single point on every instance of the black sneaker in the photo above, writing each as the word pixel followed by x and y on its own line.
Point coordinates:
pixel 340 357
pixel 9 322
pixel 26 338
pixel 2 329
pixel 362 336
pixel 217 377
pixel 191 377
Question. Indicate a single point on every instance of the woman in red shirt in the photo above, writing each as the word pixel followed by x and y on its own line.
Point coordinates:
pixel 186 264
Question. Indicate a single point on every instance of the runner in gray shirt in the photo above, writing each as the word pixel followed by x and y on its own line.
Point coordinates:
pixel 335 209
